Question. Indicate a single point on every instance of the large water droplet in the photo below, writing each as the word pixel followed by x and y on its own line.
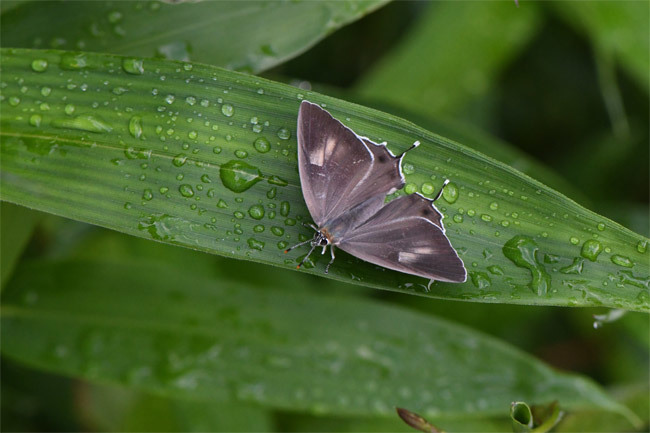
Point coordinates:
pixel 622 261
pixel 238 176
pixel 186 190
pixel 135 126
pixel 133 66
pixel 39 65
pixel 84 123
pixel 73 61
pixel 262 145
pixel 575 267
pixel 591 249
pixel 179 160
pixel 481 280
pixel 522 251
pixel 256 211
pixel 227 110
pixel 642 246
pixel 284 208
pixel 450 193
pixel 255 244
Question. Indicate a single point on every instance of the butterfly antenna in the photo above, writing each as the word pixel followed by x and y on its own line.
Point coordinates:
pixel 313 247
pixel 297 245
pixel 413 146
pixel 442 188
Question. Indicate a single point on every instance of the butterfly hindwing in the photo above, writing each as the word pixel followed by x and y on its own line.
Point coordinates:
pixel 405 240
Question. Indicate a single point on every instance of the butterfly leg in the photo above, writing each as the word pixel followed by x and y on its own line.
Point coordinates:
pixel 327 268
pixel 306 257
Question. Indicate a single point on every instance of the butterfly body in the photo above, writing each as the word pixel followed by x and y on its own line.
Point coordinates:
pixel 345 180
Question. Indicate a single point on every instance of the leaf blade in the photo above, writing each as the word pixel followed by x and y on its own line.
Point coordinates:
pixel 521 241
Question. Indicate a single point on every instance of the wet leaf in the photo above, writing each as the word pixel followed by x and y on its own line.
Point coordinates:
pixel 167 151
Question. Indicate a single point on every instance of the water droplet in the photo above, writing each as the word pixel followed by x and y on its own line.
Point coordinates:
pixel 574 240
pixel 522 251
pixel 458 218
pixel 259 228
pixel 83 123
pixel 290 222
pixel 147 194
pixel 135 126
pixel 186 190
pixel 179 160
pixel 278 231
pixel 494 205
pixel 262 145
pixel 284 134
pixel 410 188
pixel 238 176
pixel 284 208
pixel 283 245
pixel 256 211
pixel 39 65
pixel 622 261
pixel 427 188
pixel 642 246
pixel 485 217
pixel 191 100
pixel 239 153
pixel 601 227
pixel 14 101
pixel 45 91
pixel 450 193
pixel 495 270
pixel 206 179
pixel 163 190
pixel 408 168
pixel 227 110
pixel 481 280
pixel 35 120
pixel 169 99
pixel 270 194
pixel 119 90
pixel 73 61
pixel 255 244
pixel 221 204
pixel 275 180
pixel 591 249
pixel 192 135
pixel 551 258
pixel 575 267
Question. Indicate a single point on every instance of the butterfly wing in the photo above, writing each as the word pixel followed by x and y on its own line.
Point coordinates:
pixel 407 235
pixel 338 169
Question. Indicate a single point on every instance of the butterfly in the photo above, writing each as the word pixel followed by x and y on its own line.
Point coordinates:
pixel 345 179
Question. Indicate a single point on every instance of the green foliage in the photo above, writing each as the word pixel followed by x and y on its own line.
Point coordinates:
pixel 101 124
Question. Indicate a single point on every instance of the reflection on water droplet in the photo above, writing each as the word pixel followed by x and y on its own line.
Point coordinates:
pixel 622 261
pixel 450 193
pixel 238 176
pixel 591 249
pixel 522 251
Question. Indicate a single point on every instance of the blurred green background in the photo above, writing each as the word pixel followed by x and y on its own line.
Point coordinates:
pixel 564 82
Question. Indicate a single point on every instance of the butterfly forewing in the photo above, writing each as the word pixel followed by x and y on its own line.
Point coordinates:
pixel 406 242
pixel 338 170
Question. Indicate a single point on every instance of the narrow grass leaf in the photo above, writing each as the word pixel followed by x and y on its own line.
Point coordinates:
pixel 244 35
pixel 205 158
pixel 191 337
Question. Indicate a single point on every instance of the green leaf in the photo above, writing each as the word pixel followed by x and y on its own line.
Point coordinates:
pixel 205 158
pixel 16 226
pixel 249 35
pixel 211 339
pixel 615 29
pixel 444 81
